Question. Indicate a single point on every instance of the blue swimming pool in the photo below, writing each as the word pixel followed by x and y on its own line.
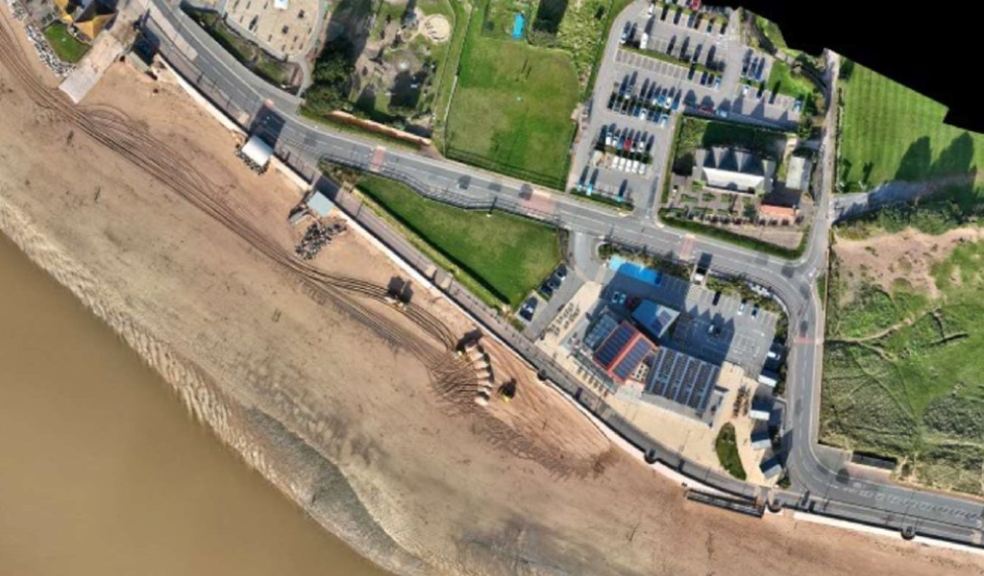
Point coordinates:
pixel 632 270
pixel 519 26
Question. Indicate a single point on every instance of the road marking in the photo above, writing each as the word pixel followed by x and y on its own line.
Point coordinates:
pixel 687 247
pixel 378 157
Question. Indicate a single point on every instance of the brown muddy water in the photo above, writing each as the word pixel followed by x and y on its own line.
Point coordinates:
pixel 103 471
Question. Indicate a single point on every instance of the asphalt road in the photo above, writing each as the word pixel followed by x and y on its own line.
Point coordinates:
pixel 819 483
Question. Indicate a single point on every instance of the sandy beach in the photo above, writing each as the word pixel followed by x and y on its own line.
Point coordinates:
pixel 356 411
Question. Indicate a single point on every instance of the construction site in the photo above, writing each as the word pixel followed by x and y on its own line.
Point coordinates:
pixel 352 384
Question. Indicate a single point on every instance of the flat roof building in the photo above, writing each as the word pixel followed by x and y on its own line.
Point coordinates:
pixel 771 468
pixel 761 440
pixel 798 173
pixel 760 410
pixel 320 204
pixel 654 318
pixel 681 378
pixel 734 170
pixel 257 152
pixel 768 378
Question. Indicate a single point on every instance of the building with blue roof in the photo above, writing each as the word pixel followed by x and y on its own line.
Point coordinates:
pixel 654 318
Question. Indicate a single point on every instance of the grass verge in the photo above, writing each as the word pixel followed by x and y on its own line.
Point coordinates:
pixel 726 447
pixel 507 256
pixel 668 217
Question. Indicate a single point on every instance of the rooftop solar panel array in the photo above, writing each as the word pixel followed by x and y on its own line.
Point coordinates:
pixel 682 379
pixel 609 351
pixel 630 361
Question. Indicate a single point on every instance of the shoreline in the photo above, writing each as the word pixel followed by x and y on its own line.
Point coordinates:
pixel 344 517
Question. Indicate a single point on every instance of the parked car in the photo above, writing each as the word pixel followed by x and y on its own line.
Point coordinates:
pixel 717 298
pixel 755 311
pixel 717 81
pixel 546 289
pixel 618 298
pixel 554 282
pixel 742 306
pixel 625 33
pixel 561 272
pixel 744 89
pixel 722 113
pixel 528 308
pixel 703 78
pixel 664 120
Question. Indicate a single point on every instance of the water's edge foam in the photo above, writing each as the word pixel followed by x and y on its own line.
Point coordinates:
pixel 265 444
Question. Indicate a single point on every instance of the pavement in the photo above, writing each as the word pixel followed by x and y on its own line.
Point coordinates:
pixel 820 481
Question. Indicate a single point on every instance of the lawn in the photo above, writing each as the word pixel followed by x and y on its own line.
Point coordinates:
pixel 512 106
pixel 66 47
pixel 783 80
pixel 727 451
pixel 890 132
pixel 505 255
pixel 902 373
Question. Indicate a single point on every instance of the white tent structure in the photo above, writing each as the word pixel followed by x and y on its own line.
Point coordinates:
pixel 256 152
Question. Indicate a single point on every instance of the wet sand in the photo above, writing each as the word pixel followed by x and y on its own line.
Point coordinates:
pixel 102 471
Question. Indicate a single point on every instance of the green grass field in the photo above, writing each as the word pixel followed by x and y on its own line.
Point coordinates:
pixel 66 47
pixel 890 132
pixel 512 106
pixel 507 256
pixel 727 450
pixel 902 373
pixel 783 80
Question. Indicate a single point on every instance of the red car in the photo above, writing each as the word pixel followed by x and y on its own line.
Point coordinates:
pixel 695 4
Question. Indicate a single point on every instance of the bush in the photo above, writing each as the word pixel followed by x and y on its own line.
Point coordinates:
pixel 726 447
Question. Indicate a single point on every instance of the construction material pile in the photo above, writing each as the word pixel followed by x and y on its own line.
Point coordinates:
pixel 316 237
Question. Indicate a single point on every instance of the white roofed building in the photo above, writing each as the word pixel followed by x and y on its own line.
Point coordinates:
pixel 734 170
pixel 256 152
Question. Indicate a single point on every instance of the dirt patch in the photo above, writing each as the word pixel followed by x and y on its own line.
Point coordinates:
pixel 901 260
pixel 436 28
